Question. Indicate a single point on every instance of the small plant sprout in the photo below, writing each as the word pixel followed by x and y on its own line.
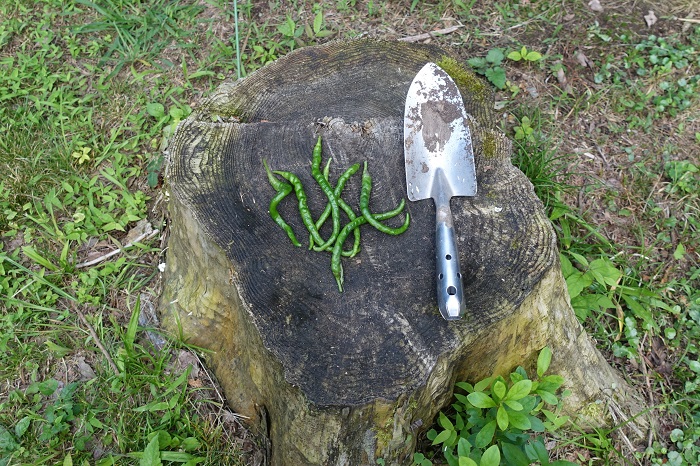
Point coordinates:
pixel 523 132
pixel 82 156
pixel 490 66
pixel 525 55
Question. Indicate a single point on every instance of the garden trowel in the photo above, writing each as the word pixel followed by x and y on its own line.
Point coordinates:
pixel 439 165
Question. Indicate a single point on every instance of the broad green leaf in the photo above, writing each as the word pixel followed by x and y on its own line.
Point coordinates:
pixel 176 113
pixel 463 447
pixel 523 51
pixel 466 461
pixel 452 441
pixel 514 455
pixel 156 110
pixel 309 31
pixel 287 28
pixel 547 397
pixel 555 419
pixel 445 422
pixel 543 361
pixel 7 441
pixel 477 62
pixel 461 398
pixel 499 389
pixel 576 282
pixel 94 422
pixel 529 403
pixel 68 460
pixel 495 56
pixel 481 400
pixel 579 258
pixel 58 350
pixel 562 463
pixel 605 272
pixel 111 226
pixel 535 424
pixel 483 384
pixel 552 382
pixel 485 435
pixel 467 387
pixel 514 405
pixel 165 440
pixel 594 301
pixel 459 422
pixel 46 388
pixel 151 454
pixel 502 418
pixel 152 178
pixel 451 459
pixel 567 267
pixel 519 390
pixel 541 452
pixel 22 426
pixel 514 55
pixel 519 420
pixel 533 56
pixel 491 457
pixel 497 76
pixel 318 22
pixel 442 437
pixel 639 310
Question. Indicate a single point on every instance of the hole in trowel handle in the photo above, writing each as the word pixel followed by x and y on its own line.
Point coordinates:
pixel 448 257
pixel 451 290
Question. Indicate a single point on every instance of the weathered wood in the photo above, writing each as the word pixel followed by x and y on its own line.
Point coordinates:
pixel 337 378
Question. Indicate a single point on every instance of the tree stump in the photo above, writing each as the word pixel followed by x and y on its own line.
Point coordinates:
pixel 345 378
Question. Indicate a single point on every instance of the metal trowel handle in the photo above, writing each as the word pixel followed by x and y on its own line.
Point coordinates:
pixel 449 279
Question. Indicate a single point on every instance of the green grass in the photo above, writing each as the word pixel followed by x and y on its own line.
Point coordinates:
pixel 90 92
pixel 81 85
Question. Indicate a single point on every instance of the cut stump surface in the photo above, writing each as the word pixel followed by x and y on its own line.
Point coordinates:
pixel 340 378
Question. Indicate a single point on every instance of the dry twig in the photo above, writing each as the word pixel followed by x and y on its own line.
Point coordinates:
pixel 432 34
pixel 142 237
pixel 94 336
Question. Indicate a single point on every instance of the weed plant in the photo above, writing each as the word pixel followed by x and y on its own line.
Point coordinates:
pixel 500 420
pixel 660 75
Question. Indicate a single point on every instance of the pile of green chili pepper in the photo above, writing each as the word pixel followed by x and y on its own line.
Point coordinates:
pixel 334 244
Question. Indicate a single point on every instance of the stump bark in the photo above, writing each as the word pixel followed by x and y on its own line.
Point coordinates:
pixel 345 378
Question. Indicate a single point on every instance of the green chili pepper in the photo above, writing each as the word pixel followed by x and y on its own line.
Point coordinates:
pixel 336 266
pixel 346 208
pixel 274 181
pixel 283 189
pixel 328 191
pixel 327 210
pixel 356 232
pixel 327 170
pixel 364 207
pixel 304 211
